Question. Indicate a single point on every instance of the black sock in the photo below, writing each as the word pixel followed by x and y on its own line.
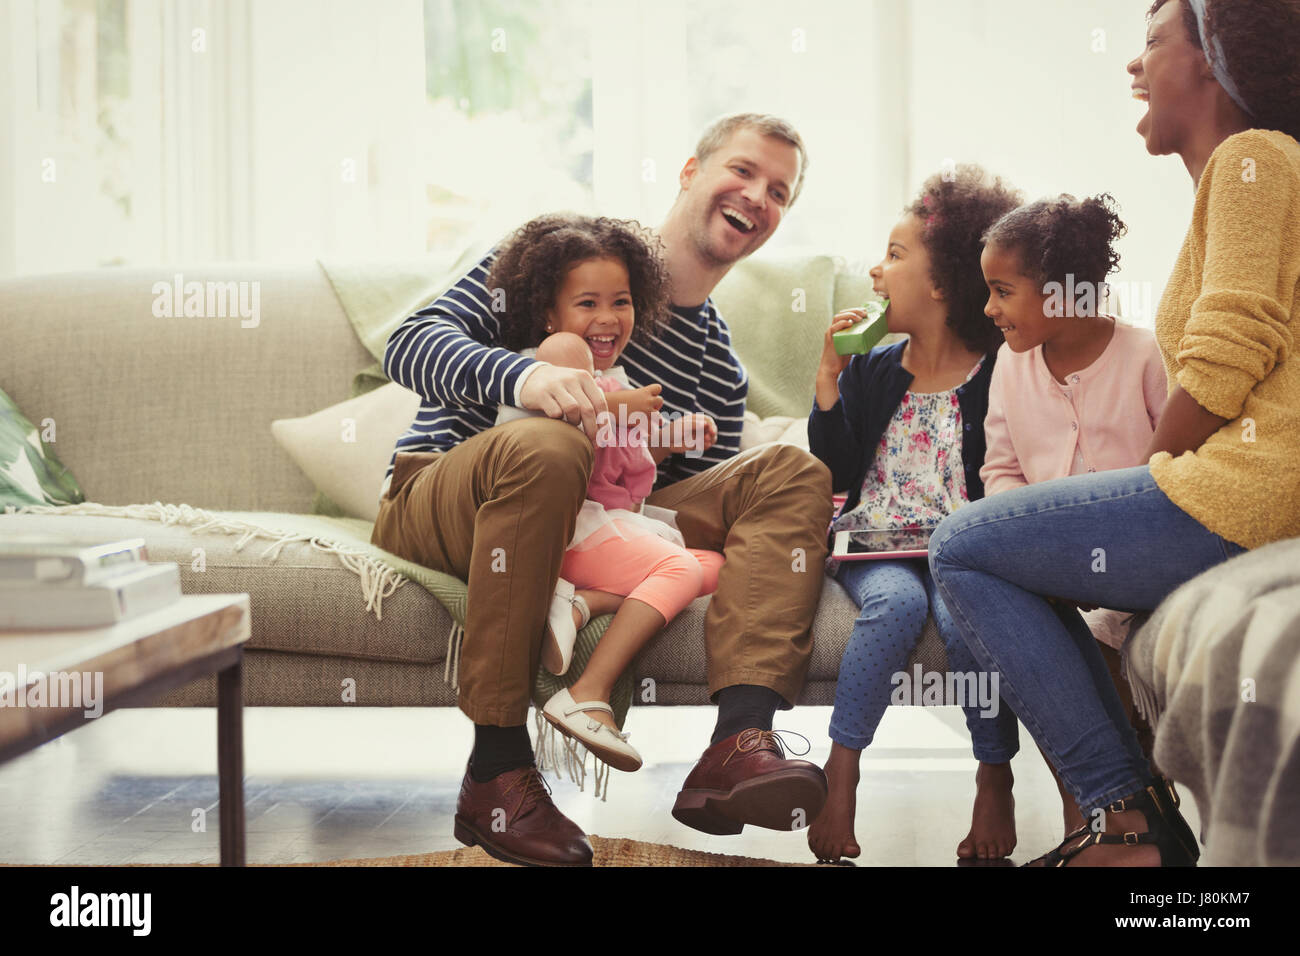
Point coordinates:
pixel 498 749
pixel 743 706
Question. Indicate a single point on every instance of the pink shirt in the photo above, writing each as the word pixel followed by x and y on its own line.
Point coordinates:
pixel 1101 418
pixel 623 472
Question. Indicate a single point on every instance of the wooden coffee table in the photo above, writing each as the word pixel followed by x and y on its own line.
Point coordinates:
pixel 140 659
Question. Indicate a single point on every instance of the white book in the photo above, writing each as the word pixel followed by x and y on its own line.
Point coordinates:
pixel 30 560
pixel 133 591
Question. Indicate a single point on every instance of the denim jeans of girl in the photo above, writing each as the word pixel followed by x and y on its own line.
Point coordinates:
pixel 1111 539
pixel 894 599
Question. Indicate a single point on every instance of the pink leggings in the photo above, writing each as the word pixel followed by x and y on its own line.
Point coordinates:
pixel 647 568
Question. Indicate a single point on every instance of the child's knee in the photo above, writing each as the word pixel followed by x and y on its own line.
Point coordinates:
pixel 902 612
pixel 685 569
pixel 710 567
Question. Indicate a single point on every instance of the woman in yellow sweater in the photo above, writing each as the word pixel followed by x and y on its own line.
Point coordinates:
pixel 1222 80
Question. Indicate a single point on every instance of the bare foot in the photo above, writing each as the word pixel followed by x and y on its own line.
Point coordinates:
pixel 831 835
pixel 993 820
pixel 1115 854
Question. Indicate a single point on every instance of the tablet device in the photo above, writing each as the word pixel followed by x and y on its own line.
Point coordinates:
pixel 869 545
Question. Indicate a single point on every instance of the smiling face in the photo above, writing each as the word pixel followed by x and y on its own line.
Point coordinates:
pixel 595 303
pixel 735 199
pixel 903 277
pixel 1173 78
pixel 1015 301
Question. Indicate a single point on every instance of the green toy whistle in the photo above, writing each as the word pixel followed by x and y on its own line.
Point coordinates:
pixel 861 337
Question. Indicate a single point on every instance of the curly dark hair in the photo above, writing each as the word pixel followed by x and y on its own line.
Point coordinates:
pixel 1259 40
pixel 955 207
pixel 1063 236
pixel 532 263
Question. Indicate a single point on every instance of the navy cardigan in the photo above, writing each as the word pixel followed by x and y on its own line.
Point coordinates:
pixel 872 387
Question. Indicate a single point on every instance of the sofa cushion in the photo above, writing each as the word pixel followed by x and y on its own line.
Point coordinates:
pixel 304 601
pixel 345 449
pixel 778 311
pixel 306 605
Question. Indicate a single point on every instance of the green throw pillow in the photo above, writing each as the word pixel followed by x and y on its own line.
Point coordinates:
pixel 30 473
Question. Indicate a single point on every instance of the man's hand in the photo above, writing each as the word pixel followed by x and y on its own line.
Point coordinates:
pixel 644 401
pixel 695 432
pixel 569 394
pixel 832 363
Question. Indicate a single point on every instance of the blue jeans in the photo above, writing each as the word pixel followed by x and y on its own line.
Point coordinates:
pixel 1112 539
pixel 894 599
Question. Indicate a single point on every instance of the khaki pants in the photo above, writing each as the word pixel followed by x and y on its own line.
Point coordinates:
pixel 498 512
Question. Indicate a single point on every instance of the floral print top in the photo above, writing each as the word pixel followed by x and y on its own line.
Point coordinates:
pixel 917 477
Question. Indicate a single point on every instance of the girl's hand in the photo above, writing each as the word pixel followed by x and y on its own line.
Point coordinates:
pixel 693 433
pixel 832 363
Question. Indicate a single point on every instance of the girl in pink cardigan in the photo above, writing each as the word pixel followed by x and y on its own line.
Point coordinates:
pixel 1073 391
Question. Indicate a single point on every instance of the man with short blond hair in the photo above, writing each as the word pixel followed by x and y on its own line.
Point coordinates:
pixel 462 493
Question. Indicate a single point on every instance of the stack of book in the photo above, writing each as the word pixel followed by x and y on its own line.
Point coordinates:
pixel 48 583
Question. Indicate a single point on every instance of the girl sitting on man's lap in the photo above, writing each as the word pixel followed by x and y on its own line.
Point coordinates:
pixel 578 289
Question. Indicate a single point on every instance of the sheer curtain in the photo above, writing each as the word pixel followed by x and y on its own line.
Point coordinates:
pixel 199 130
pixel 180 131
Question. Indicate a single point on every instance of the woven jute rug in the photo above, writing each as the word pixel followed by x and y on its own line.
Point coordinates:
pixel 616 852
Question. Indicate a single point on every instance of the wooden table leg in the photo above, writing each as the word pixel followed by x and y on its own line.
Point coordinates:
pixel 230 761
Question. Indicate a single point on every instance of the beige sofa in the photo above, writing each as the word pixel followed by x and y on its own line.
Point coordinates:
pixel 178 410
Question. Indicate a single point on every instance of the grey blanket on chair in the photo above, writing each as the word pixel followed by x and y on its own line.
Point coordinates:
pixel 1217 671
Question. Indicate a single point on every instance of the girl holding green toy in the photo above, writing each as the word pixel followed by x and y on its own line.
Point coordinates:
pixel 902 430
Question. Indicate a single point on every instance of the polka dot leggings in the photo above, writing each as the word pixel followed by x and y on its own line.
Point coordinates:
pixel 894 599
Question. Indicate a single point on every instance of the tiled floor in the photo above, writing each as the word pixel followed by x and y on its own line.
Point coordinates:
pixel 140 787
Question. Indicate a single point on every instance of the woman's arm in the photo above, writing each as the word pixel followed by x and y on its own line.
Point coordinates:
pixel 1184 425
pixel 1239 326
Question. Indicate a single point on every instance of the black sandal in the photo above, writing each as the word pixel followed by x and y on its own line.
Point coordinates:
pixel 1182 830
pixel 1166 830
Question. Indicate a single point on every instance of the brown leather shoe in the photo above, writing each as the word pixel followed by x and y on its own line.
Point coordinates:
pixel 746 778
pixel 512 817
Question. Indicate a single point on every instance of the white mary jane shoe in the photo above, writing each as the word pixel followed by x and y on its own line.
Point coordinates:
pixel 561 635
pixel 605 742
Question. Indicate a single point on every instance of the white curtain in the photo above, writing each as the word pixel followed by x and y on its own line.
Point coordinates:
pixel 276 130
pixel 282 130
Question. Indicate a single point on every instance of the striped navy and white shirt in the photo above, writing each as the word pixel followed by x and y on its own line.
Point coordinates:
pixel 449 354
